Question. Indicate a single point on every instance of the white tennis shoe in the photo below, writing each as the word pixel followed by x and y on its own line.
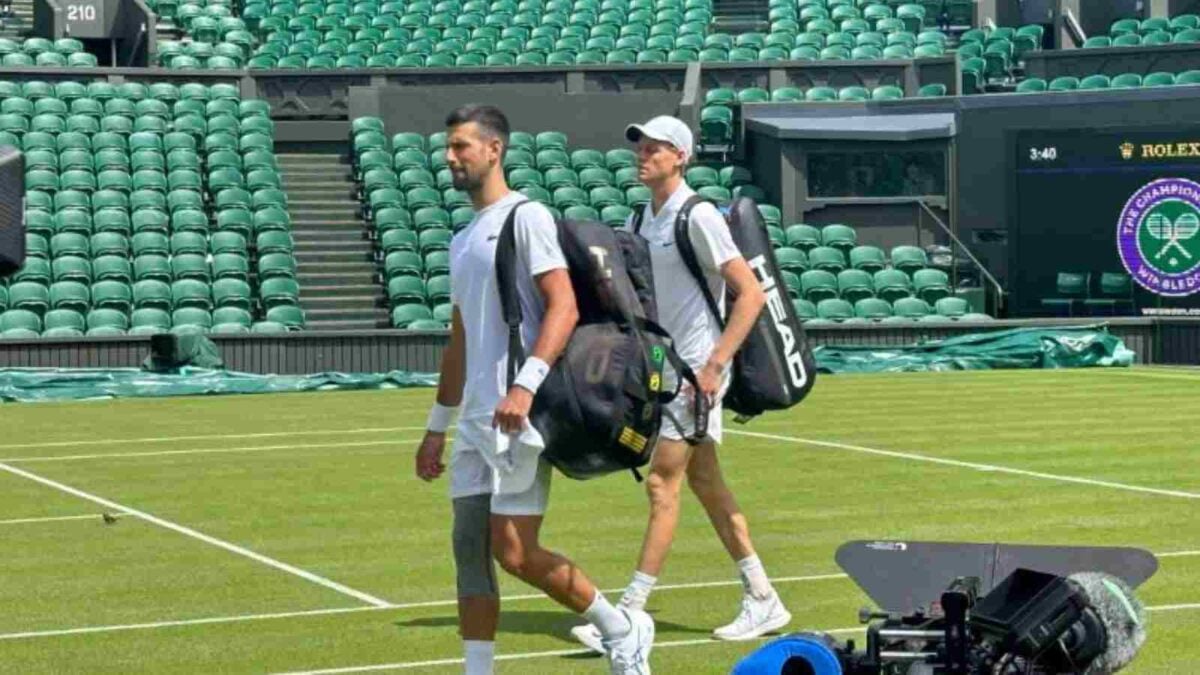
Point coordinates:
pixel 630 654
pixel 757 618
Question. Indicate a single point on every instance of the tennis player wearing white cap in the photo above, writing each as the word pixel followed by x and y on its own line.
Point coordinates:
pixel 664 146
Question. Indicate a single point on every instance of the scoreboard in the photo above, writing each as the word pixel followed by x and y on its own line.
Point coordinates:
pixel 1109 200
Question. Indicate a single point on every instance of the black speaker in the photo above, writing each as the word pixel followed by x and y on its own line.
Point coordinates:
pixel 12 210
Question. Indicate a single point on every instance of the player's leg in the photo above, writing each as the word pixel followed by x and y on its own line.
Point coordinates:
pixel 762 611
pixel 515 527
pixel 478 593
pixel 668 468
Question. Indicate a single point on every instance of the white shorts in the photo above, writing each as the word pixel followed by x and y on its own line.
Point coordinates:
pixel 681 409
pixel 471 475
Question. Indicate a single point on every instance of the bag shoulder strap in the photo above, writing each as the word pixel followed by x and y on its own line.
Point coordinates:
pixel 638 216
pixel 683 241
pixel 510 303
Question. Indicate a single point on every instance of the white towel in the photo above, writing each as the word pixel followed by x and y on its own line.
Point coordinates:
pixel 513 457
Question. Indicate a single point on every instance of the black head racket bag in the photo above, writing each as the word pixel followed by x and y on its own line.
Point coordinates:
pixel 774 369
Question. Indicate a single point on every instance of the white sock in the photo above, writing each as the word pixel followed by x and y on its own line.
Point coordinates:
pixel 754 576
pixel 638 591
pixel 479 655
pixel 611 621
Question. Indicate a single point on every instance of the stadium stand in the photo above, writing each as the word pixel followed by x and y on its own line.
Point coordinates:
pixel 148 208
pixel 412 210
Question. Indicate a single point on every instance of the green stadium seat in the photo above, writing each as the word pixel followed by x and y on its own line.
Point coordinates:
pixel 106 321
pixel 817 285
pixel 1126 81
pixel 191 320
pixel 804 237
pixel 892 284
pixel 874 309
pixel 827 258
pixel 951 307
pixel 1115 293
pixel 279 291
pixel 1072 289
pixel 791 259
pixel 912 308
pixel 64 323
pixel 931 285
pixel 152 293
pixel 909 258
pixel 71 268
pixel 1031 85
pixel 841 237
pixel 804 309
pixel 20 324
pixel 1064 83
pixel 29 295
pixel 289 315
pixel 834 309
pixel 1097 81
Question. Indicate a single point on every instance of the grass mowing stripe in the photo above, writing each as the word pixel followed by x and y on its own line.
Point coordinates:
pixel 344 610
pixel 212 437
pixel 408 665
pixel 202 451
pixel 51 519
pixel 988 468
pixel 194 534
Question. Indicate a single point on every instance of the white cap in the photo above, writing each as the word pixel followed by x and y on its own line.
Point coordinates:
pixel 666 129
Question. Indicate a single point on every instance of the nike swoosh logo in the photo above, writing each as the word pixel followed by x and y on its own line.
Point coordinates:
pixel 494 237
pixel 668 244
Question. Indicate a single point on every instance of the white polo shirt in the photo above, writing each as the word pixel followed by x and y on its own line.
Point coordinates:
pixel 474 292
pixel 682 310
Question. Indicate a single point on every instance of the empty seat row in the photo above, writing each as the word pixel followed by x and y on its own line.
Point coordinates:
pixel 866 310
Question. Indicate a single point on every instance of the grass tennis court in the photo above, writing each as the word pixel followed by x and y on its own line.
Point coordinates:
pixel 287 533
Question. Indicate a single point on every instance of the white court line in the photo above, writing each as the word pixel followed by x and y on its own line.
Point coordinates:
pixel 408 665
pixel 537 655
pixel 210 437
pixel 991 468
pixel 412 605
pixel 187 531
pixel 348 610
pixel 204 451
pixel 51 519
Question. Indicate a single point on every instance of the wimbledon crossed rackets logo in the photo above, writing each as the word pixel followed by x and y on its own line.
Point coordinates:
pixel 1158 236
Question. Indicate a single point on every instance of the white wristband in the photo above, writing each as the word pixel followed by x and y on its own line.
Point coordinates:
pixel 532 373
pixel 441 417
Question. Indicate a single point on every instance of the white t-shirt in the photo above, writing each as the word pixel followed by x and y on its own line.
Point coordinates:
pixel 473 291
pixel 682 310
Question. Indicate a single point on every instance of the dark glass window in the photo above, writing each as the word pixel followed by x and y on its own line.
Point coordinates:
pixel 875 173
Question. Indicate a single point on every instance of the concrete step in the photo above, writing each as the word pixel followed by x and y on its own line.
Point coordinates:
pixel 361 278
pixel 356 267
pixel 340 291
pixel 327 223
pixel 316 170
pixel 332 245
pixel 370 324
pixel 376 314
pixel 348 302
pixel 312 157
pixel 320 235
pixel 307 258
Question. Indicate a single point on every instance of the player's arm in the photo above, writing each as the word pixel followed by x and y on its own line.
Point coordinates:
pixel 717 252
pixel 557 325
pixel 748 302
pixel 537 242
pixel 451 378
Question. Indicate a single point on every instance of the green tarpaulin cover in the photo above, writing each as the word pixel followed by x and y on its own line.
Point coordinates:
pixel 1074 347
pixel 162 376
pixel 41 384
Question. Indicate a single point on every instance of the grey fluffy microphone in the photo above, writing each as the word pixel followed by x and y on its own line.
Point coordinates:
pixel 1123 617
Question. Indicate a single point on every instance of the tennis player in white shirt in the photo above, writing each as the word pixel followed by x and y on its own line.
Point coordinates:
pixel 499 483
pixel 664 147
